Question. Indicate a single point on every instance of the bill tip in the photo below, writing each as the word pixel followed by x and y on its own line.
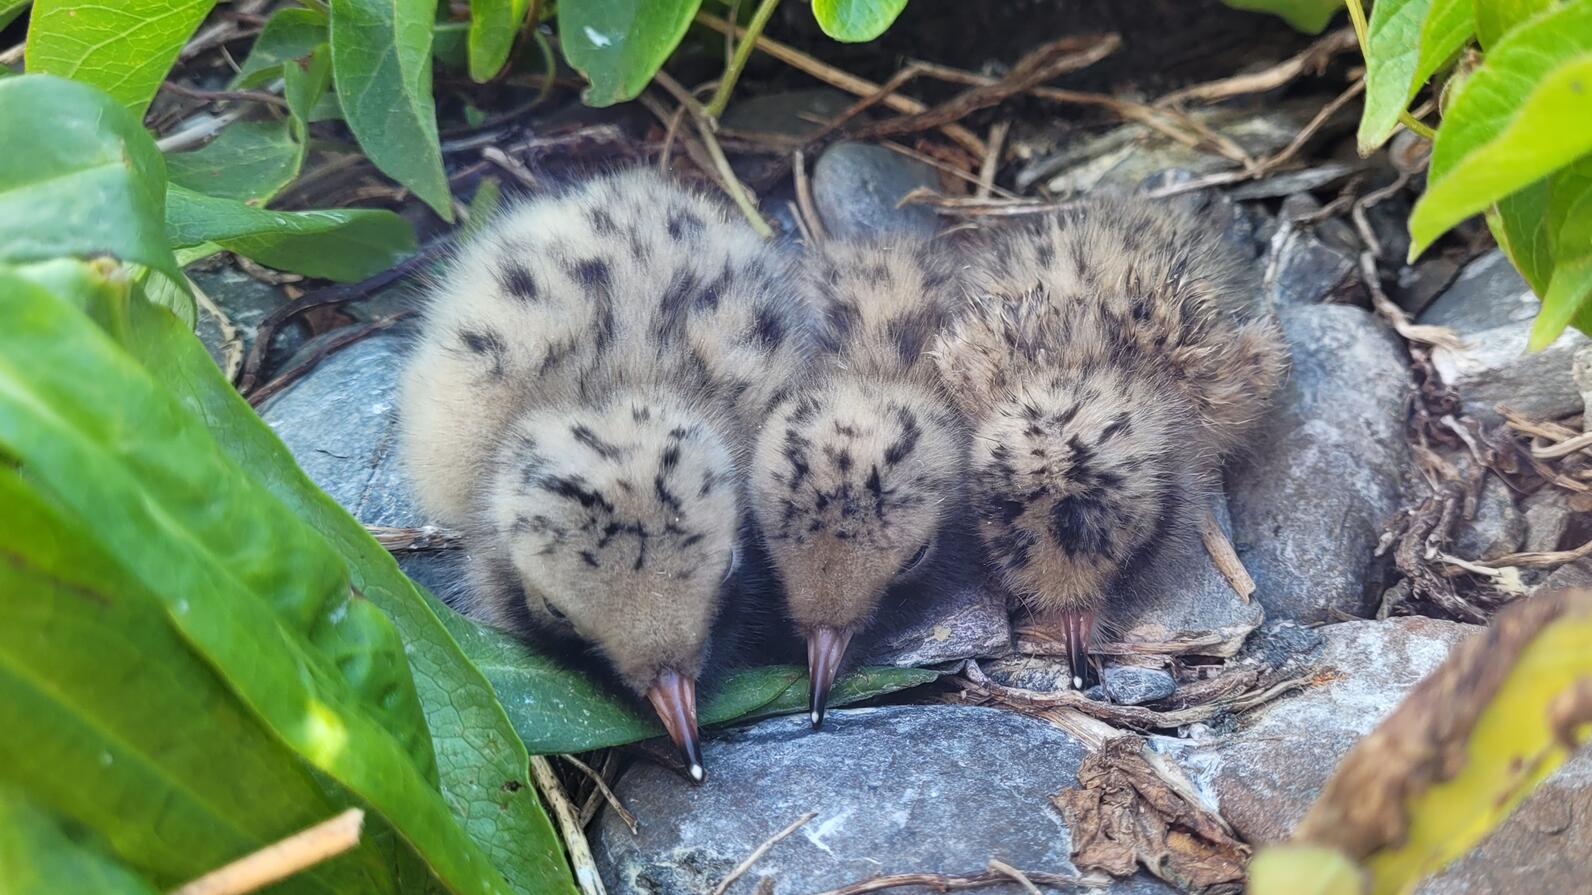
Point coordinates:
pixel 697 773
pixel 1077 682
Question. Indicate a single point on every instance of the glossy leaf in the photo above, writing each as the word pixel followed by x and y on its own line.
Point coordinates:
pixel 249 161
pixel 123 48
pixel 559 709
pixel 481 764
pixel 854 21
pixel 9 10
pixel 1519 222
pixel 1309 16
pixel 1406 42
pixel 381 67
pixel 291 33
pixel 82 179
pixel 41 855
pixel 96 686
pixel 319 666
pixel 1494 18
pixel 1512 123
pixel 346 244
pixel 494 24
pixel 619 44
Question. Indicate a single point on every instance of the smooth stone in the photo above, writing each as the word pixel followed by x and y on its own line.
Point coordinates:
pixel 781 113
pixel 1498 528
pixel 246 301
pixel 918 788
pixel 856 187
pixel 1302 269
pixel 970 622
pixel 1419 285
pixel 1548 515
pixel 1188 608
pixel 1043 674
pixel 1132 685
pixel 1310 502
pixel 1266 774
pixel 1491 307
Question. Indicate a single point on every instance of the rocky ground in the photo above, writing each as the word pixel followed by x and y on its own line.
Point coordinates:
pixel 1386 508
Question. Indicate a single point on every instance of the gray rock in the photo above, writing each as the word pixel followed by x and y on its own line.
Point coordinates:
pixel 1302 267
pixel 1581 372
pixel 1265 776
pixel 1042 673
pixel 856 187
pixel 1548 516
pixel 1188 609
pixel 1491 308
pixel 905 788
pixel 1575 574
pixel 1498 528
pixel 1420 285
pixel 782 113
pixel 1132 685
pixel 1310 503
pixel 971 622
pixel 245 301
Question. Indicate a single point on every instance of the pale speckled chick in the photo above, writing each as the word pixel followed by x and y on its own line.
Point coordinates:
pixel 580 404
pixel 1112 357
pixel 855 474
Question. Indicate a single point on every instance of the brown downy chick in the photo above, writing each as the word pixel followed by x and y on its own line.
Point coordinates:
pixel 580 404
pixel 855 474
pixel 1111 358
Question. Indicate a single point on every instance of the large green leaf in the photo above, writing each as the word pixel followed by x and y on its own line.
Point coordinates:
pixel 381 66
pixel 1309 16
pixel 1518 118
pixel 96 686
pixel 9 10
pixel 123 48
pixel 482 765
pixel 346 244
pixel 1519 222
pixel 39 855
pixel 81 178
pixel 619 44
pixel 250 161
pixel 260 595
pixel 1408 40
pixel 854 21
pixel 1494 18
pixel 292 32
pixel 1568 223
pixel 559 709
pixel 493 26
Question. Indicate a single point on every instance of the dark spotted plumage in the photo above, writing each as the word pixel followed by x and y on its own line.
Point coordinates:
pixel 580 404
pixel 1112 357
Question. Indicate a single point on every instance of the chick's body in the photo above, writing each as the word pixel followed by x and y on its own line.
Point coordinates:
pixel 855 474
pixel 1112 358
pixel 580 404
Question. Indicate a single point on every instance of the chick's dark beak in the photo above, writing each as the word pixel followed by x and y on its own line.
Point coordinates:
pixel 1079 625
pixel 673 697
pixel 826 647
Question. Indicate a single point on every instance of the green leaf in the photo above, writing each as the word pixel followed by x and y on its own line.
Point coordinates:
pixel 493 26
pixel 291 33
pixel 1568 223
pixel 9 10
pixel 1304 870
pixel 246 584
pixel 1407 41
pixel 1309 16
pixel 559 709
pixel 304 84
pixel 249 161
pixel 855 21
pixel 1513 121
pixel 619 44
pixel 81 179
pixel 1494 18
pixel 123 48
pixel 1519 222
pixel 40 855
pixel 345 244
pixel 482 765
pixel 96 686
pixel 381 65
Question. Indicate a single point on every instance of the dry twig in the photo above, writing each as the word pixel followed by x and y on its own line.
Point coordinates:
pixel 404 540
pixel 760 851
pixel 992 160
pixel 1226 560
pixel 586 875
pixel 1312 59
pixel 607 793
pixel 941 882
pixel 282 859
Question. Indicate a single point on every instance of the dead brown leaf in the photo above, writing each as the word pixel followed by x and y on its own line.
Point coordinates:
pixel 1122 815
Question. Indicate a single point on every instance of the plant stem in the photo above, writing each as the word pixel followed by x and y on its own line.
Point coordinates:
pixel 1357 18
pixel 732 184
pixel 743 52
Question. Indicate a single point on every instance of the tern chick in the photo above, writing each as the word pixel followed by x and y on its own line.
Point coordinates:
pixel 580 404
pixel 855 475
pixel 1111 358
